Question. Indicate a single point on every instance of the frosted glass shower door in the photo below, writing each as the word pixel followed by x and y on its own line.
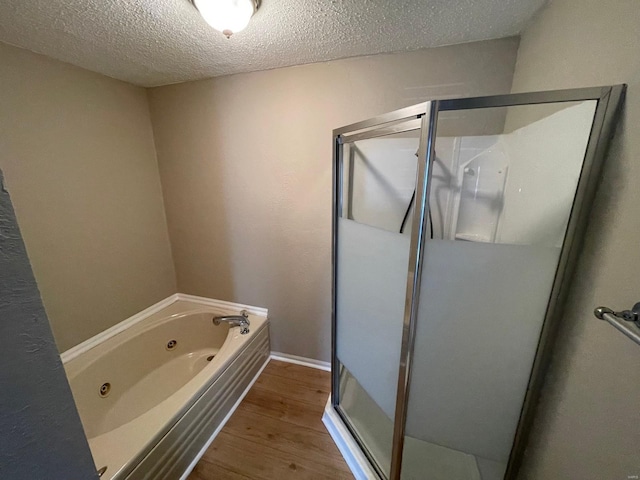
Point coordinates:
pixel 378 180
pixel 504 201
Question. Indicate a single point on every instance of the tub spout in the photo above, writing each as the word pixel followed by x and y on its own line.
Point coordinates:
pixel 241 321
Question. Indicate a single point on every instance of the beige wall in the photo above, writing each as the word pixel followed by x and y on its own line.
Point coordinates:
pixel 588 424
pixel 245 163
pixel 78 156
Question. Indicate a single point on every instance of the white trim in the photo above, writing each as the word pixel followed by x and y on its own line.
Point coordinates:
pixel 306 362
pixel 88 344
pixel 209 302
pixel 356 461
pixel 224 421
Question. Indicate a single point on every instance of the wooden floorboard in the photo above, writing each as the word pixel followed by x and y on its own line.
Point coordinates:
pixel 306 376
pixel 206 471
pixel 277 431
pixel 295 391
pixel 279 407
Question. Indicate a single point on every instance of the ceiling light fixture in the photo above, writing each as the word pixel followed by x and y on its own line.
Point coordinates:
pixel 227 16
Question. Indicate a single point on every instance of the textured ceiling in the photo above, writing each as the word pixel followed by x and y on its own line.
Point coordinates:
pixel 157 42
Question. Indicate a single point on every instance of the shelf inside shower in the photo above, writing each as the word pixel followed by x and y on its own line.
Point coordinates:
pixel 472 237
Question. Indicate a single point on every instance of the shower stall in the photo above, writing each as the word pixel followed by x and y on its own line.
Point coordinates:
pixel 456 225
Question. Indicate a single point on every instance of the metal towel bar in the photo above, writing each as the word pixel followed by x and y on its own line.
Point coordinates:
pixel 626 321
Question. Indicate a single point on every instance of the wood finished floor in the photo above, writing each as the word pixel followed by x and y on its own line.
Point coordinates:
pixel 277 431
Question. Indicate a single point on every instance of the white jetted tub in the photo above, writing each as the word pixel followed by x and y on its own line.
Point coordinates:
pixel 152 396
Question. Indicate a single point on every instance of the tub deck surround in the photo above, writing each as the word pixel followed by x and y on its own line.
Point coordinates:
pixel 139 387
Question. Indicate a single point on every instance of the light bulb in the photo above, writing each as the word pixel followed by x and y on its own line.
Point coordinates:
pixel 226 16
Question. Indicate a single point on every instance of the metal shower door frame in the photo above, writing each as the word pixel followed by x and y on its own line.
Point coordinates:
pixel 412 118
pixel 609 99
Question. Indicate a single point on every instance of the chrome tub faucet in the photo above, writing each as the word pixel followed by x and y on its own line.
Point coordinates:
pixel 241 321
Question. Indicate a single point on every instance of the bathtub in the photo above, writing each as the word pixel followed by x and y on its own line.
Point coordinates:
pixel 152 396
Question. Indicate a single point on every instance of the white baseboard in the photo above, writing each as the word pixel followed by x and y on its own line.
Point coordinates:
pixel 224 421
pixel 306 362
pixel 356 460
pixel 79 349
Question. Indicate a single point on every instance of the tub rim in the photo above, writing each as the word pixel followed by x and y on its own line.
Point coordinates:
pixel 98 339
